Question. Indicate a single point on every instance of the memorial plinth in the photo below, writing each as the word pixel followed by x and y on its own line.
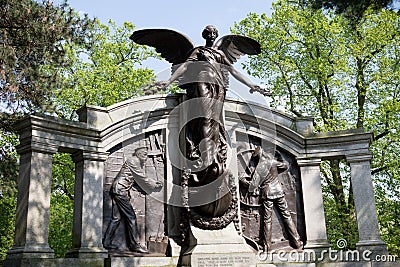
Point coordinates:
pixel 217 248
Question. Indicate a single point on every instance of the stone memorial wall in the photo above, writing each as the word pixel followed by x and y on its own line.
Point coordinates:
pixel 106 144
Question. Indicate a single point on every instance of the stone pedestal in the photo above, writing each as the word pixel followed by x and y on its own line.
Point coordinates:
pixel 223 247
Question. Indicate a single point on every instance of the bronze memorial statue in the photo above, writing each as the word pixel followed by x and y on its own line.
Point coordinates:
pixel 132 173
pixel 266 168
pixel 203 72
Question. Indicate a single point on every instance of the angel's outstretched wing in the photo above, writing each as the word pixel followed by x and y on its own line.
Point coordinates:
pixel 173 46
pixel 235 46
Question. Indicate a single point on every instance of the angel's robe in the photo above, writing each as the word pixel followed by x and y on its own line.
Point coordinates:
pixel 205 134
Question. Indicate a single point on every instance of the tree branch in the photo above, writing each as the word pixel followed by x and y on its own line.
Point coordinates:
pixel 381 135
pixel 379 169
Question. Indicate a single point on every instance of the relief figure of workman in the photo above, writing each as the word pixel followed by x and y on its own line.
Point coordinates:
pixel 133 172
pixel 271 193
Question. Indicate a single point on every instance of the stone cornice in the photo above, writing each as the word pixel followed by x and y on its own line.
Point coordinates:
pixel 49 123
pixel 36 147
pixel 41 131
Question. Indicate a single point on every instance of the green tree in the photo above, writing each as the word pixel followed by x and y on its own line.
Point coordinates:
pixel 60 226
pixel 7 222
pixel 34 35
pixel 61 204
pixel 8 164
pixel 344 73
pixel 354 9
pixel 104 73
pixel 8 190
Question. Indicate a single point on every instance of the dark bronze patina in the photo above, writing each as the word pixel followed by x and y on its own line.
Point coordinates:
pixel 203 72
pixel 132 173
pixel 266 168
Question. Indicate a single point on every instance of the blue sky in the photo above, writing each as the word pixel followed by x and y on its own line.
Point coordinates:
pixel 188 17
pixel 184 16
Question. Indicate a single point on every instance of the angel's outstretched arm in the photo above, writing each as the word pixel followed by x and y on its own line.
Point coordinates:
pixel 158 86
pixel 240 77
pixel 177 73
pixel 243 79
pixel 233 46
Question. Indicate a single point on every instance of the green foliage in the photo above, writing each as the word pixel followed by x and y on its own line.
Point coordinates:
pixel 33 35
pixel 8 190
pixel 8 164
pixel 345 73
pixel 105 72
pixel 63 175
pixel 389 221
pixel 62 204
pixel 338 203
pixel 354 8
pixel 336 221
pixel 60 228
pixel 7 224
pixel 298 62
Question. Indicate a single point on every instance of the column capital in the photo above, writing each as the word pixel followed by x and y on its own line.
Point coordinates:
pixel 89 155
pixel 304 161
pixel 33 146
pixel 364 157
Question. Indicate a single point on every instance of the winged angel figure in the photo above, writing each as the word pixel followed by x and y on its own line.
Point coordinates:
pixel 203 72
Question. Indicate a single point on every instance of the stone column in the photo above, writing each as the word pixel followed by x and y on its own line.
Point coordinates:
pixel 364 202
pixel 33 202
pixel 88 205
pixel 313 204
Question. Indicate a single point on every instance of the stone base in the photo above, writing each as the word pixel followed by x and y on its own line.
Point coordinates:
pixel 198 259
pixel 88 253
pixel 213 259
pixel 317 245
pixel 217 248
pixel 30 252
pixel 329 264
pixel 109 262
pixel 372 248
pixel 54 262
pixel 142 261
pixel 297 264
